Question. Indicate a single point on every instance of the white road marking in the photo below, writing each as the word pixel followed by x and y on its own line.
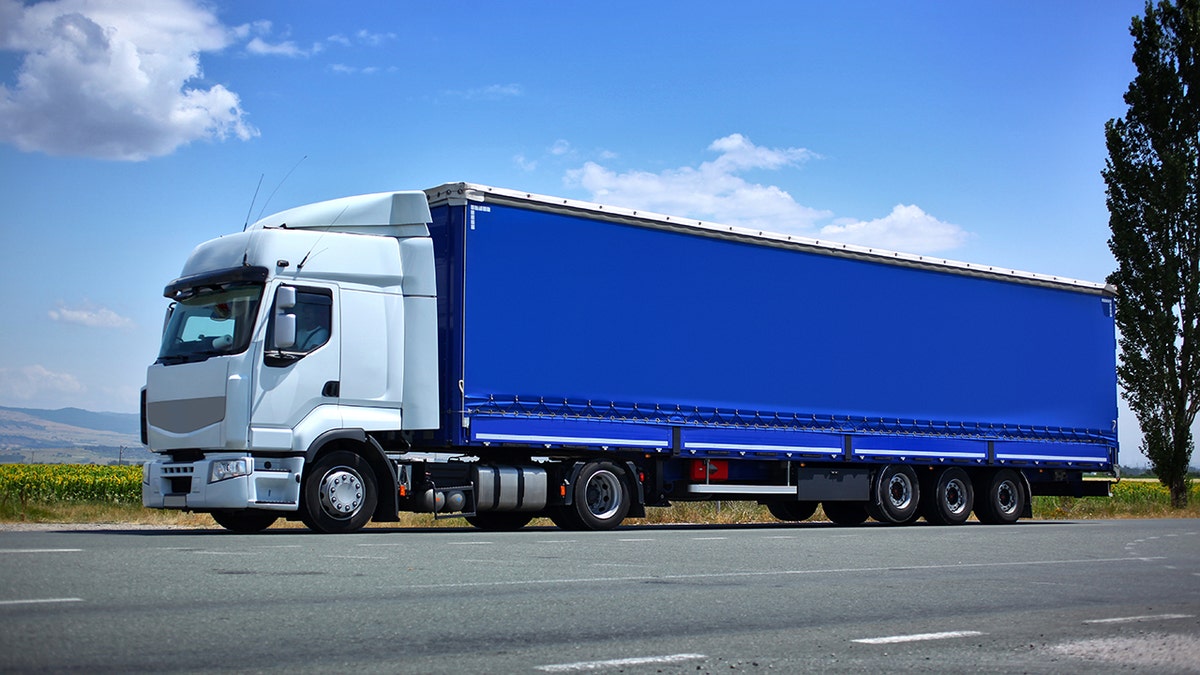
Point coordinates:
pixel 40 550
pixel 1148 617
pixel 893 639
pixel 617 663
pixel 709 538
pixel 42 601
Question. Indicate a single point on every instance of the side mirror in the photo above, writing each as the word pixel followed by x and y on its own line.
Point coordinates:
pixel 285 298
pixel 285 331
pixel 285 322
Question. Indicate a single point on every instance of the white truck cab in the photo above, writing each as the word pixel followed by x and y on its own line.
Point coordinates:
pixel 254 358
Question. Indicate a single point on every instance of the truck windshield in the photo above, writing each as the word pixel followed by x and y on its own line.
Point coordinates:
pixel 210 321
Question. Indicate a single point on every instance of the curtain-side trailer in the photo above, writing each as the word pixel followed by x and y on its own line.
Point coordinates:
pixel 483 352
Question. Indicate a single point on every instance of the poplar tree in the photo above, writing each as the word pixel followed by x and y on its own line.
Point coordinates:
pixel 1153 192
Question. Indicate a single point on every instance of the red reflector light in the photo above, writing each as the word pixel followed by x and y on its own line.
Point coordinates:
pixel 710 469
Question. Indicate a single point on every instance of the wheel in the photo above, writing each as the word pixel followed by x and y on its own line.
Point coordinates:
pixel 245 521
pixel 896 494
pixel 950 498
pixel 600 496
pixel 339 493
pixel 500 521
pixel 1003 499
pixel 845 513
pixel 794 511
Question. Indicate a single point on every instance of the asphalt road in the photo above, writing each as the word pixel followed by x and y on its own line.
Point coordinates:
pixel 1101 596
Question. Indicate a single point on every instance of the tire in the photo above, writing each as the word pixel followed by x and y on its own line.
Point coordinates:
pixel 845 513
pixel 1003 499
pixel 500 521
pixel 600 496
pixel 340 493
pixel 897 494
pixel 792 511
pixel 950 498
pixel 245 521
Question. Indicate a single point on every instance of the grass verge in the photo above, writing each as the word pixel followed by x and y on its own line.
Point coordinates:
pixel 66 495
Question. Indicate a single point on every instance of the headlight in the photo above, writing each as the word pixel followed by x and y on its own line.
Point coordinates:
pixel 224 469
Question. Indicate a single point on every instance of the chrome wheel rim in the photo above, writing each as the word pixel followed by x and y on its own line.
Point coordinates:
pixel 341 492
pixel 899 491
pixel 1006 497
pixel 956 496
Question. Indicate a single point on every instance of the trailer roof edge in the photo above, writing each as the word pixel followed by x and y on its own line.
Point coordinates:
pixel 462 192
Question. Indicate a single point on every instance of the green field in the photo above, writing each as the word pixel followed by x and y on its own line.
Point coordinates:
pixel 88 493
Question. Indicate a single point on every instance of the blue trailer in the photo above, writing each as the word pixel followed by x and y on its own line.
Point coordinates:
pixel 587 362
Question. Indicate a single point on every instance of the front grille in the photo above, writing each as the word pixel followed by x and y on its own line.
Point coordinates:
pixel 180 485
pixel 179 477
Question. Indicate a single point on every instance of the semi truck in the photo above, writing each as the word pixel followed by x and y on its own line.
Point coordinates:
pixel 479 352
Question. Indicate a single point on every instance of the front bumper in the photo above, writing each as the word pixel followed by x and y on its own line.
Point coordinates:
pixel 272 484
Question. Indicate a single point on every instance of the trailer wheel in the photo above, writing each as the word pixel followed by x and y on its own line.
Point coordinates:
pixel 792 511
pixel 950 499
pixel 845 513
pixel 1003 500
pixel 600 496
pixel 245 521
pixel 897 494
pixel 500 521
pixel 339 493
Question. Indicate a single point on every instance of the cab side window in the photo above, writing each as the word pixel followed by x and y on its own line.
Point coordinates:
pixel 314 320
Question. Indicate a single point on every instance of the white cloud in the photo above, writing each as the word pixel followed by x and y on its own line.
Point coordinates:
pixel 491 92
pixel 370 39
pixel 35 383
pixel 92 318
pixel 343 69
pixel 561 147
pixel 260 47
pixel 715 191
pixel 110 79
pixel 906 228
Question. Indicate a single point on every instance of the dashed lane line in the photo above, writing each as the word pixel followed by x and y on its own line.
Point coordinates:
pixel 38 601
pixel 581 666
pixel 1139 619
pixel 919 637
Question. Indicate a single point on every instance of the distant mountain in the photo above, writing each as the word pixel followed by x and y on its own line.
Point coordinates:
pixel 121 423
pixel 69 435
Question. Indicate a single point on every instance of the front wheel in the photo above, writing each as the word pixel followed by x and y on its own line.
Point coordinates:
pixel 600 496
pixel 245 521
pixel 339 493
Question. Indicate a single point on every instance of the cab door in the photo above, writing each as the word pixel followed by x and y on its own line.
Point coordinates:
pixel 301 368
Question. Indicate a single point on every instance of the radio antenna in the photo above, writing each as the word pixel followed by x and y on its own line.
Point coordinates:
pixel 252 200
pixel 289 173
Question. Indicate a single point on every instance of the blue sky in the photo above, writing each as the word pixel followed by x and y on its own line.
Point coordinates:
pixel 132 130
